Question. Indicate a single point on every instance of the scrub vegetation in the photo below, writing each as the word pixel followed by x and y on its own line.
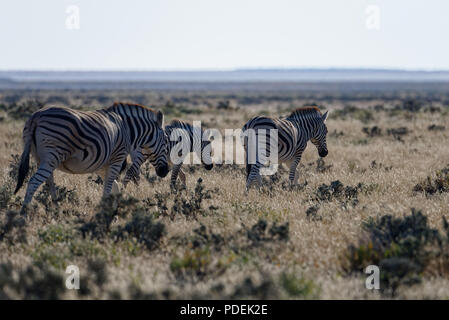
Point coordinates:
pixel 380 197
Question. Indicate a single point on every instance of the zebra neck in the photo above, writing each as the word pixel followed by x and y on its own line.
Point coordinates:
pixel 305 127
pixel 135 129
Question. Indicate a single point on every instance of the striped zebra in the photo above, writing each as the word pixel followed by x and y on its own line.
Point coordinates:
pixel 89 141
pixel 178 132
pixel 294 132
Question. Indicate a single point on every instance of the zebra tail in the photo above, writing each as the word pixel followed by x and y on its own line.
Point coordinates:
pixel 24 166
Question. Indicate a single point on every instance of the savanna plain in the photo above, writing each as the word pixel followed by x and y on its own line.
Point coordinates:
pixel 380 197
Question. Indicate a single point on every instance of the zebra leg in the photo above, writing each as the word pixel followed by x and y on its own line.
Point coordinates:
pixel 133 172
pixel 293 174
pixel 182 177
pixel 42 174
pixel 254 174
pixel 112 173
pixel 295 181
pixel 248 170
pixel 49 160
pixel 51 184
pixel 174 175
pixel 248 166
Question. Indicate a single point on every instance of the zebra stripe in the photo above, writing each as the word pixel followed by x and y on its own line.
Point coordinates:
pixel 183 132
pixel 294 132
pixel 79 142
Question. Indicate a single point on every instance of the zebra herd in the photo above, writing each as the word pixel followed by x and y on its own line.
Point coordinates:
pixel 99 141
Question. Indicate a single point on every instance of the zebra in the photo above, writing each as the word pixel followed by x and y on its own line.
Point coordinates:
pixel 79 142
pixel 181 132
pixel 294 131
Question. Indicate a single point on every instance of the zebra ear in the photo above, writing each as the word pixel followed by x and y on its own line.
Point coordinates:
pixel 160 118
pixel 324 116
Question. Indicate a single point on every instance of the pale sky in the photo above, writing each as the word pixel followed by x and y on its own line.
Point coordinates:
pixel 225 34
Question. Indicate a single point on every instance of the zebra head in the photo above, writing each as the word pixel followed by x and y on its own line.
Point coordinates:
pixel 157 147
pixel 319 135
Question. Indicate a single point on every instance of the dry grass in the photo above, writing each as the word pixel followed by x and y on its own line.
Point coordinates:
pixel 222 261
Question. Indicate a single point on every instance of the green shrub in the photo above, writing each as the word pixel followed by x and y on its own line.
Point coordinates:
pixel 12 229
pixel 62 195
pixel 258 232
pixel 336 190
pixel 24 110
pixel 264 290
pixel 56 257
pixel 205 238
pixel 190 204
pixel 5 196
pixel 348 112
pixel 55 234
pixel 372 131
pixel 298 287
pixel 143 228
pixel 193 263
pixel 31 283
pixel 403 248
pixel 111 207
pixel 312 213
pixel 436 184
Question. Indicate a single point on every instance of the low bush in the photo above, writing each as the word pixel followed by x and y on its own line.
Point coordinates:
pixel 30 283
pixel 260 232
pixel 24 110
pixel 434 184
pixel 435 127
pixel 403 248
pixel 12 229
pixel 337 190
pixel 144 229
pixel 312 213
pixel 372 131
pixel 349 111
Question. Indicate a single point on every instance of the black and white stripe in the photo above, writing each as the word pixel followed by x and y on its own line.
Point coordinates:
pixel 293 132
pixel 90 141
pixel 180 134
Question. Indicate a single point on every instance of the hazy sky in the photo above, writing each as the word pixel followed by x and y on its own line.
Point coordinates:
pixel 225 34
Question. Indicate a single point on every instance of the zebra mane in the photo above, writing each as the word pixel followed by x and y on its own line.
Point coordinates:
pixel 131 105
pixel 304 111
pixel 177 123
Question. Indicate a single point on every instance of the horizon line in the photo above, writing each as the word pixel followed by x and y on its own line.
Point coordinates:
pixel 240 69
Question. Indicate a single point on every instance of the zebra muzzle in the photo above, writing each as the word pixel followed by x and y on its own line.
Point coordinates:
pixel 162 171
pixel 323 153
